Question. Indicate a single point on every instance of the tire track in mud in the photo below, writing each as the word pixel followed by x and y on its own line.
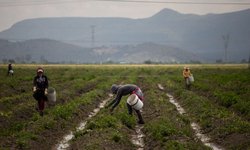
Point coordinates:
pixel 64 143
pixel 197 129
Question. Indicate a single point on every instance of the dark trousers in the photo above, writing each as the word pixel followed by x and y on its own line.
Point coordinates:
pixel 41 98
pixel 130 110
pixel 187 83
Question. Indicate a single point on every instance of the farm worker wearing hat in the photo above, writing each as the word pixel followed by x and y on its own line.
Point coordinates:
pixel 122 90
pixel 186 74
pixel 40 87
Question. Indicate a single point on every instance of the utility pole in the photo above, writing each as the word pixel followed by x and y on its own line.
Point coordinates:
pixel 249 62
pixel 92 36
pixel 226 42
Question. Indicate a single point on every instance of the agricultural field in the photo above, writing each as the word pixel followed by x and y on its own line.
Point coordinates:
pixel 218 101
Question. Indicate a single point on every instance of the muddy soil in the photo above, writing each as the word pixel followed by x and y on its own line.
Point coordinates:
pixel 49 137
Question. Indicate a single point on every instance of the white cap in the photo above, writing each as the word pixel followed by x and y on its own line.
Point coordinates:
pixel 40 70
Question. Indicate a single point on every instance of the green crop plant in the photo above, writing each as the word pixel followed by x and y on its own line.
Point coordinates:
pixel 23 139
pixel 102 122
pixel 116 137
pixel 126 119
pixel 218 101
pixel 160 129
pixel 66 111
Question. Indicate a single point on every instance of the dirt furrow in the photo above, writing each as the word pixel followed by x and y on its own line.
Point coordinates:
pixel 64 143
pixel 198 132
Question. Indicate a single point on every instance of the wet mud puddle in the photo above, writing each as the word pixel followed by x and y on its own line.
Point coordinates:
pixel 203 137
pixel 64 144
pixel 137 137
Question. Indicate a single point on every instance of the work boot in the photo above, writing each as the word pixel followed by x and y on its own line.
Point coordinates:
pixel 139 117
pixel 141 122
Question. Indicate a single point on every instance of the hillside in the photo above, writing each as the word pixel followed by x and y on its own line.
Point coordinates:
pixel 199 34
pixel 44 50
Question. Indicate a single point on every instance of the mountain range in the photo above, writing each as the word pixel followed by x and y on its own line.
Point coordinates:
pixel 167 36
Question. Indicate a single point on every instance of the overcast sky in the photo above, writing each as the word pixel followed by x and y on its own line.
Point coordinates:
pixel 12 11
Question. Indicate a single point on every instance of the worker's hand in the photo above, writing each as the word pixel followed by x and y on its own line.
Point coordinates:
pixel 34 89
pixel 106 106
pixel 46 91
pixel 111 110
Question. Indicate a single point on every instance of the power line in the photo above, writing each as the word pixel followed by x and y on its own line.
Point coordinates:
pixel 181 2
pixel 44 2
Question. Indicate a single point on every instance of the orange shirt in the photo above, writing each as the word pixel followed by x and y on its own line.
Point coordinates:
pixel 186 74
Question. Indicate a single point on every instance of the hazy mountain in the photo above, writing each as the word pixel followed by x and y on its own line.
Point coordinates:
pixel 199 34
pixel 153 52
pixel 44 50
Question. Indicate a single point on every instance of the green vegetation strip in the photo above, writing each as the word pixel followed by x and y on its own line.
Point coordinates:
pixel 217 102
pixel 215 119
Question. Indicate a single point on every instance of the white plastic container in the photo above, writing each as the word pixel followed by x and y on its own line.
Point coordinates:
pixel 134 101
pixel 11 71
pixel 51 94
pixel 191 78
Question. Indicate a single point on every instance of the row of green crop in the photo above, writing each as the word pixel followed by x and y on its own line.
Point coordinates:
pixel 164 128
pixel 63 114
pixel 227 87
pixel 168 128
pixel 217 120
pixel 68 96
pixel 80 87
pixel 109 130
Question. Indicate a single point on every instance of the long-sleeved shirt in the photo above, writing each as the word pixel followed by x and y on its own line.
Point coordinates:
pixel 186 73
pixel 41 82
pixel 122 91
pixel 9 67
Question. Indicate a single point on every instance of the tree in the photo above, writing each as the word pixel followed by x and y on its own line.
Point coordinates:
pixel 249 62
pixel 28 57
pixel 226 42
pixel 219 61
pixel 43 60
pixel 148 62
pixel 5 61
pixel 12 61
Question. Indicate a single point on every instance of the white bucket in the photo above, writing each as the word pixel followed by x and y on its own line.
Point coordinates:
pixel 191 78
pixel 134 101
pixel 11 71
pixel 51 94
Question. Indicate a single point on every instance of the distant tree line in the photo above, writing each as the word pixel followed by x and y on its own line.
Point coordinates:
pixel 28 60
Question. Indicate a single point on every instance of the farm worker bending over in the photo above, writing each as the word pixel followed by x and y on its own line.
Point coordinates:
pixel 186 74
pixel 122 90
pixel 40 87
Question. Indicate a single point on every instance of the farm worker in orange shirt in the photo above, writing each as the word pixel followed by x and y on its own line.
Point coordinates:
pixel 186 74
pixel 40 89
